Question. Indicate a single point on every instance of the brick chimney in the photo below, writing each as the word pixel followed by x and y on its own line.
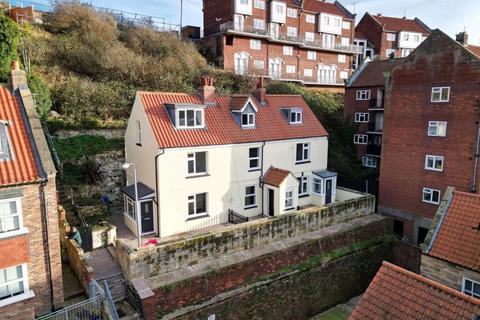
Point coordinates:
pixel 207 90
pixel 17 78
pixel 260 93
pixel 462 38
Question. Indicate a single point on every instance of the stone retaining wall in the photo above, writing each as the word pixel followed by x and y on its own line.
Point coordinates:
pixel 107 133
pixel 153 260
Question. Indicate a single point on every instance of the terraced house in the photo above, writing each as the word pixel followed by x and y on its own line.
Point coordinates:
pixel 30 265
pixel 205 159
pixel 304 41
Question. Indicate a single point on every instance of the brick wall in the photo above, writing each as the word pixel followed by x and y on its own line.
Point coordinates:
pixel 203 287
pixel 445 272
pixel 37 249
pixel 153 260
pixel 371 29
pixel 24 310
pixel 439 61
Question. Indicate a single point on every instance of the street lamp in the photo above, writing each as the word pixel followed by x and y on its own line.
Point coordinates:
pixel 137 203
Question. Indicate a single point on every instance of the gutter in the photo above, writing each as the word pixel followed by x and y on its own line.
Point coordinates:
pixel 161 152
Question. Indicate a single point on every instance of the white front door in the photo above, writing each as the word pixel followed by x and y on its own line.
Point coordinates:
pixel 275 68
pixel 274 30
pixel 327 74
pixel 328 41
pixel 239 22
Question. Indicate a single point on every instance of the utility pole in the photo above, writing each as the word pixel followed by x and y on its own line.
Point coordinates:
pixel 181 14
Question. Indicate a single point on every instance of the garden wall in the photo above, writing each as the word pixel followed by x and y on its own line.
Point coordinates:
pixel 162 258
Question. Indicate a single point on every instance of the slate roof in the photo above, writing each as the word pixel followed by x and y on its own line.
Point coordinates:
pixel 143 190
pixel 372 74
pixel 458 237
pixel 275 176
pixel 221 127
pixel 400 24
pixel 396 293
pixel 23 167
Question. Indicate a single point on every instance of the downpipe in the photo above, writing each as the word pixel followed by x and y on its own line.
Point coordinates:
pixel 475 167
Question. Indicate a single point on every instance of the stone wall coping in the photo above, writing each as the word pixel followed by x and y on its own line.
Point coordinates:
pixel 205 267
pixel 142 288
pixel 228 229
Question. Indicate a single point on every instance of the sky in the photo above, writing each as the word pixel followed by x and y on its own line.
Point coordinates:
pixel 451 16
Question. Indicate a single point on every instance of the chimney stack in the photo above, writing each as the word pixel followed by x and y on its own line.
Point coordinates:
pixel 462 38
pixel 17 77
pixel 207 90
pixel 260 93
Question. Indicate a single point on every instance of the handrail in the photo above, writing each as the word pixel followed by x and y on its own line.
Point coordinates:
pixel 110 302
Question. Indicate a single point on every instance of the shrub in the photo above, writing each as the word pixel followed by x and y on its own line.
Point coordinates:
pixel 9 40
pixel 41 93
pixel 72 149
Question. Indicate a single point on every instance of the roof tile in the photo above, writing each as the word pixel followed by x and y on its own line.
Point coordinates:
pixel 22 168
pixel 275 176
pixel 396 293
pixel 401 24
pixel 372 74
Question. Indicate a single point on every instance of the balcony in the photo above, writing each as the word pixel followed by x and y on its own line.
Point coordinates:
pixel 314 80
pixel 375 128
pixel 374 150
pixel 235 28
pixel 375 104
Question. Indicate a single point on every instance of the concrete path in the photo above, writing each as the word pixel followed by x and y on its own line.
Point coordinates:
pixel 339 312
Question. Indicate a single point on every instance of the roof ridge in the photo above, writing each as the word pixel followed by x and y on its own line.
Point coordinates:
pixel 432 283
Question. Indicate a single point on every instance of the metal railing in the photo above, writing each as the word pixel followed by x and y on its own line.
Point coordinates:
pixel 301 40
pixel 374 149
pixel 374 127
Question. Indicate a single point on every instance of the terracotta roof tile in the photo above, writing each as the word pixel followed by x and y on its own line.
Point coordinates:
pixel 396 293
pixel 322 6
pixel 474 49
pixel 401 24
pixel 458 239
pixel 221 127
pixel 275 176
pixel 22 168
pixel 372 75
pixel 237 102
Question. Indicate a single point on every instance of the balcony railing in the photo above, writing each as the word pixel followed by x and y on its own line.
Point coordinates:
pixel 375 127
pixel 300 40
pixel 308 80
pixel 375 104
pixel 374 149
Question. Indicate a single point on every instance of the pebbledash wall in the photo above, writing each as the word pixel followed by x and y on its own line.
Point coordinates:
pixel 157 259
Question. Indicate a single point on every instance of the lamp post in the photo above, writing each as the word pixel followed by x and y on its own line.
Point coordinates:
pixel 137 203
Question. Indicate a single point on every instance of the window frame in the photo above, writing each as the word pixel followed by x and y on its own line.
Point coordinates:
pixel 5 145
pixel 471 292
pixel 369 162
pixel 307 72
pixel 440 92
pixel 305 148
pixel 25 284
pixel 19 214
pixel 139 132
pixel 291 198
pixel 434 159
pixel 255 41
pixel 259 4
pixel 363 95
pixel 309 36
pixel 256 64
pixel 192 157
pixel 186 125
pixel 342 58
pixel 311 55
pixel 319 182
pixel 431 192
pixel 255 158
pixel 436 124
pixel 298 117
pixel 259 21
pixel 391 37
pixel 250 116
pixel 250 195
pixel 360 115
pixel 292 13
pixel 308 18
pixel 290 28
pixel 346 25
pixel 357 140
pixel 287 50
pixel 291 69
pixel 303 186
pixel 195 205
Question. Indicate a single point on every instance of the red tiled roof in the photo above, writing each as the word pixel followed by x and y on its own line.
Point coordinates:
pixel 372 74
pixel 474 49
pixel 458 240
pixel 22 168
pixel 221 127
pixel 400 24
pixel 319 6
pixel 237 102
pixel 396 293
pixel 275 176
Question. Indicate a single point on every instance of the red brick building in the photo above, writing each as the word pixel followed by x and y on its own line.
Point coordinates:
pixel 30 265
pixel 309 41
pixel 388 36
pixel 364 106
pixel 431 134
pixel 396 293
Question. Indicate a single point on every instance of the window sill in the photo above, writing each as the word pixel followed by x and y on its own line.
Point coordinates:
pixel 436 170
pixel 289 209
pixel 254 170
pixel 303 196
pixel 429 202
pixel 198 176
pixel 192 218
pixel 302 162
pixel 14 233
pixel 15 299
pixel 251 207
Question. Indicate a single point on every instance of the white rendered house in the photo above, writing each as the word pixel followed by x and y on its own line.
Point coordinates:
pixel 201 158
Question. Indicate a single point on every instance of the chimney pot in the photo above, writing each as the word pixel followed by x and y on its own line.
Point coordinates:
pixel 15 65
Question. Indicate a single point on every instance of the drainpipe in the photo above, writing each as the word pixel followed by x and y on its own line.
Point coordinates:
pixel 261 175
pixel 157 201
pixel 475 167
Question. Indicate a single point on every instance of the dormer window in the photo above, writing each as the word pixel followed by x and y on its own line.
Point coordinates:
pixel 248 120
pixel 296 117
pixel 4 146
pixel 187 116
